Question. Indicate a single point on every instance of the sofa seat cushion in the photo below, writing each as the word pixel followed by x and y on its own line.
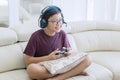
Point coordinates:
pixel 110 60
pixel 96 72
pixel 15 75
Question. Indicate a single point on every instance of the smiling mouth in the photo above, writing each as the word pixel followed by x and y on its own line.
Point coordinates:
pixel 57 28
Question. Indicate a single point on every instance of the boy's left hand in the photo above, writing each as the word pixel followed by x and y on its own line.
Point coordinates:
pixel 68 52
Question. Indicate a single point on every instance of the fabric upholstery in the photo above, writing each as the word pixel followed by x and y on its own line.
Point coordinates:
pixel 97 40
pixel 96 72
pixel 23 45
pixel 15 75
pixel 11 58
pixel 72 43
pixel 100 39
pixel 7 36
pixel 24 31
pixel 109 60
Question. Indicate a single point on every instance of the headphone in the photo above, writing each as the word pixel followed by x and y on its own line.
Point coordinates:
pixel 42 21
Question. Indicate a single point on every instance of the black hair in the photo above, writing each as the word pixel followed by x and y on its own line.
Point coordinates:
pixel 46 13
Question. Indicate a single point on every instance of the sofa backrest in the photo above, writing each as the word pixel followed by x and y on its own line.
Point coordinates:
pixel 10 52
pixel 7 36
pixel 12 44
pixel 95 36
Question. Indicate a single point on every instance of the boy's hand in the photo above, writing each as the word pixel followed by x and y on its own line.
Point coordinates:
pixel 53 56
pixel 68 51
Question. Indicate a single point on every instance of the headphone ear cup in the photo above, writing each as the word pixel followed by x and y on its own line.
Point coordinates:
pixel 63 20
pixel 43 23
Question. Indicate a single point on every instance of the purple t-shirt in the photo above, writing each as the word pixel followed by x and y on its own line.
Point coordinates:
pixel 41 44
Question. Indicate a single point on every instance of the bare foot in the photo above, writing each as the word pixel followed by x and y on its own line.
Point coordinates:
pixel 51 79
pixel 84 73
pixel 55 77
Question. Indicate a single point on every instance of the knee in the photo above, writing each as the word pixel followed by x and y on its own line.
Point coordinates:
pixel 36 71
pixel 88 60
pixel 33 70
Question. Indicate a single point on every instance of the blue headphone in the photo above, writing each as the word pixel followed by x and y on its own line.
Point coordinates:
pixel 42 21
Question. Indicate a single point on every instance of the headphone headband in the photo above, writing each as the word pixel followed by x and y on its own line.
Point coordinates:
pixel 45 9
pixel 48 8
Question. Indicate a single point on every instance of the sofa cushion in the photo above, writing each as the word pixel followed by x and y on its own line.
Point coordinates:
pixel 7 36
pixel 110 60
pixel 97 40
pixel 66 28
pixel 15 75
pixel 72 43
pixel 25 30
pixel 96 72
pixel 11 57
pixel 23 45
pixel 108 25
pixel 82 26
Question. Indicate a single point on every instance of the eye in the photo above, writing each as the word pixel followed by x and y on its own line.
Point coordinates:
pixel 56 21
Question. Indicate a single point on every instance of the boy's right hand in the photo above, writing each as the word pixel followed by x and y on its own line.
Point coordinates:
pixel 53 56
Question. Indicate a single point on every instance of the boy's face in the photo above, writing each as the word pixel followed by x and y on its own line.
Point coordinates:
pixel 55 23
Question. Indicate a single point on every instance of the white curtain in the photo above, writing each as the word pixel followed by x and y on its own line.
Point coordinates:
pixel 79 10
pixel 13 12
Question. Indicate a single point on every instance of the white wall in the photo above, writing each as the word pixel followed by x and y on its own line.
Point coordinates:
pixel 73 10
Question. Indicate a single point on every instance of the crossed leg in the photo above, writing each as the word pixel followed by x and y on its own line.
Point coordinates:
pixel 79 69
pixel 38 72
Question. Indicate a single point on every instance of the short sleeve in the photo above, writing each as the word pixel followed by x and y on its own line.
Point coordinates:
pixel 31 46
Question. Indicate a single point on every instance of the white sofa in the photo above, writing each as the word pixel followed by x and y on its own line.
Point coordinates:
pixel 100 39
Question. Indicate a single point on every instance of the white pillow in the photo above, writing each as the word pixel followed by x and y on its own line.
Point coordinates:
pixel 63 64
